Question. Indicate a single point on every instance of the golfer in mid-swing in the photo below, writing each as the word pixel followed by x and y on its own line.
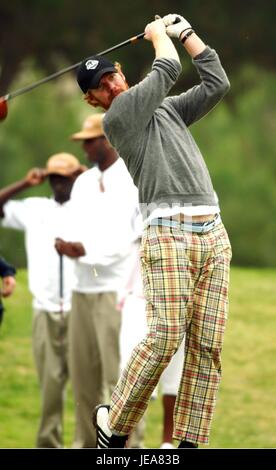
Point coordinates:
pixel 185 251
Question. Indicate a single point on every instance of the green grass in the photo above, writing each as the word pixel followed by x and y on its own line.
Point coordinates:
pixel 246 410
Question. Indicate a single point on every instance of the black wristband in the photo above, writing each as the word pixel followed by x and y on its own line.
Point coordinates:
pixel 191 31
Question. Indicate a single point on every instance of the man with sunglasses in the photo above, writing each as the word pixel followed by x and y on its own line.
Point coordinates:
pixel 104 205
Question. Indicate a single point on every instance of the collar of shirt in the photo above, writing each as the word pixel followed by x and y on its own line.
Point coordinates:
pixel 110 175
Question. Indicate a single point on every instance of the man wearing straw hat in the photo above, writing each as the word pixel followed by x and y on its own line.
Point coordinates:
pixel 43 219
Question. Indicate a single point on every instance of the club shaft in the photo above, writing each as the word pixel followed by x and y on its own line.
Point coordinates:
pixel 20 91
pixel 61 278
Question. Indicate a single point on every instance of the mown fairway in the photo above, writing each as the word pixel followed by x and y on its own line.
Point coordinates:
pixel 246 410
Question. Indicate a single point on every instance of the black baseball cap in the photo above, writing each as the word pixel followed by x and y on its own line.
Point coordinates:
pixel 91 71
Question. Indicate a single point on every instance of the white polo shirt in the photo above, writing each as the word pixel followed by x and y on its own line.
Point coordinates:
pixel 43 219
pixel 106 223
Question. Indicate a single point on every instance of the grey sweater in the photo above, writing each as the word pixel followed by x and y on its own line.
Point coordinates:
pixel 150 132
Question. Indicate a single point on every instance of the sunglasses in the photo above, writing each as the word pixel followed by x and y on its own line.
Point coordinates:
pixel 91 139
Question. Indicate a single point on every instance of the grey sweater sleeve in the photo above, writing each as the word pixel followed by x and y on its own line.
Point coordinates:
pixel 132 110
pixel 199 100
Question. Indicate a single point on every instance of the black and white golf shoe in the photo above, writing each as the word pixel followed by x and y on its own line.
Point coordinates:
pixel 105 438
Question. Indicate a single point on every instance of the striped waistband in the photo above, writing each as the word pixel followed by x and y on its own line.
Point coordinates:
pixel 198 227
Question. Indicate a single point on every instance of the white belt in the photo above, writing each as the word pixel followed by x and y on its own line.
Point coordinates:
pixel 198 227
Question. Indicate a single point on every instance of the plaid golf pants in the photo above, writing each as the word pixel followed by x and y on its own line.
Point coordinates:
pixel 186 277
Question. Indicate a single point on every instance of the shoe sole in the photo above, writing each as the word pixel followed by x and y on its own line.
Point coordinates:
pixel 94 416
pixel 96 426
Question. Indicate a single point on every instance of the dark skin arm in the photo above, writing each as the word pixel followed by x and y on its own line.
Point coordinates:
pixel 71 249
pixel 34 177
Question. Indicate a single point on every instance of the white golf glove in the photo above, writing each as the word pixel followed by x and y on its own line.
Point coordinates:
pixel 173 29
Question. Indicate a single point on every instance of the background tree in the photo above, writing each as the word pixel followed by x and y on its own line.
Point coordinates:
pixel 237 139
pixel 59 32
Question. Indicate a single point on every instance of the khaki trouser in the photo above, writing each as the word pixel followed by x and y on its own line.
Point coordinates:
pixel 93 358
pixel 50 354
pixel 137 435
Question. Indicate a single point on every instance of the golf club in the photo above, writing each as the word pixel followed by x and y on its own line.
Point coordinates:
pixel 4 99
pixel 63 327
pixel 61 283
